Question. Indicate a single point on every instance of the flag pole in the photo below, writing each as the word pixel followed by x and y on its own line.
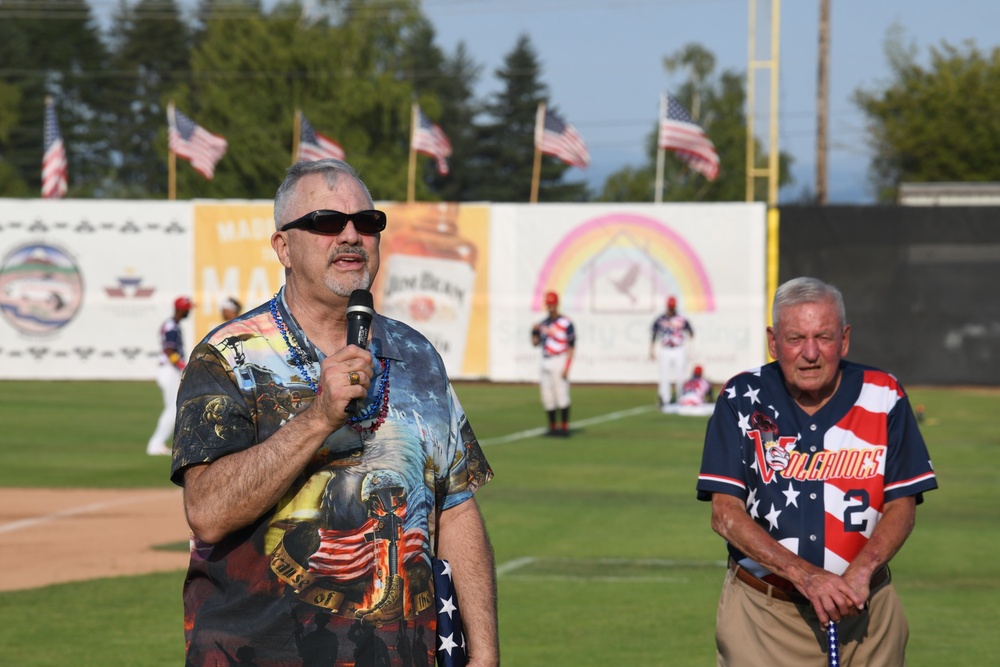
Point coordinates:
pixel 171 157
pixel 659 151
pixel 537 169
pixel 412 171
pixel 296 135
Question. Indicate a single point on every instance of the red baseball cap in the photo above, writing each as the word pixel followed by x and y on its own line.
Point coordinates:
pixel 182 303
pixel 671 302
pixel 551 298
pixel 697 370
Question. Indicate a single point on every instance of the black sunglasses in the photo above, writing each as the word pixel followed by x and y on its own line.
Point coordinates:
pixel 333 222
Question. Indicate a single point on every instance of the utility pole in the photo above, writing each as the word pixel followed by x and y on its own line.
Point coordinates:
pixel 822 101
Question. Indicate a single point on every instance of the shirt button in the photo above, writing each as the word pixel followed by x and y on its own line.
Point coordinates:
pixel 812 538
pixel 813 448
pixel 812 427
pixel 812 496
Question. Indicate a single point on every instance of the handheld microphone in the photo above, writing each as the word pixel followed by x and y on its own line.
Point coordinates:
pixel 360 311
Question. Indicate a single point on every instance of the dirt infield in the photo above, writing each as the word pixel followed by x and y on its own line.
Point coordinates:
pixel 52 536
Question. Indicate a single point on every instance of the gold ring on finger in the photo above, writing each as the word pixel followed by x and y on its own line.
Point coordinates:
pixel 355 377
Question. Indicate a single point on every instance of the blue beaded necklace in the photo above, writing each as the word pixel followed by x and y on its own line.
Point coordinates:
pixel 379 408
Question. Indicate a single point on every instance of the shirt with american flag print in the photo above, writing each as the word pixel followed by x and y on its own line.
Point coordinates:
pixel 816 483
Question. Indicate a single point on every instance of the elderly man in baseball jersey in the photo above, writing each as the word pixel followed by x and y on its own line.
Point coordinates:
pixel 814 466
pixel 671 331
pixel 557 337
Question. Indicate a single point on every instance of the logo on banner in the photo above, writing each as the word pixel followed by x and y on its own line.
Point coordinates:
pixel 129 287
pixel 624 263
pixel 41 288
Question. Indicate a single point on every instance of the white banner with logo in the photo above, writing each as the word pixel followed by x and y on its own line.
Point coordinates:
pixel 613 267
pixel 85 285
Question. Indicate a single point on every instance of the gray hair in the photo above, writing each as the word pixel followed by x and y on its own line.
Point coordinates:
pixel 806 290
pixel 332 169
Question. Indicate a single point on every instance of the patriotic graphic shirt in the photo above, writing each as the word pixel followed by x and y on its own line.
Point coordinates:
pixel 817 484
pixel 557 335
pixel 339 572
pixel 672 330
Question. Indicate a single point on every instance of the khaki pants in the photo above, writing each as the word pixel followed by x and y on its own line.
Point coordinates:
pixel 753 630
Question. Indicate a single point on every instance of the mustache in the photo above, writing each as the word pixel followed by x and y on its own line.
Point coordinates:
pixel 346 249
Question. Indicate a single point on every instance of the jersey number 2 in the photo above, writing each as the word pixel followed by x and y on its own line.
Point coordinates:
pixel 853 524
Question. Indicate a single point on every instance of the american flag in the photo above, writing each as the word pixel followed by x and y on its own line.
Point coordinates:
pixel 559 138
pixel 679 133
pixel 451 648
pixel 314 146
pixel 430 140
pixel 195 143
pixel 54 168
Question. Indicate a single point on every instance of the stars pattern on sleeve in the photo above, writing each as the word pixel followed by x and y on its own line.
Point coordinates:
pixel 744 422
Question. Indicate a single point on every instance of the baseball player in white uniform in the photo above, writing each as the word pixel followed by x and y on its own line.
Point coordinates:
pixel 168 376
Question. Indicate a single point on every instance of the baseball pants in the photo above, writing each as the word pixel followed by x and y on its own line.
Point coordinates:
pixel 673 367
pixel 168 378
pixel 554 388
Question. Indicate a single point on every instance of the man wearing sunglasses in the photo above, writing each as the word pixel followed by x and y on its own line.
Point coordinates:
pixel 316 527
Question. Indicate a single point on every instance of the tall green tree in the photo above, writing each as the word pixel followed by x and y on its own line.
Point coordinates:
pixel 150 56
pixel 503 164
pixel 717 104
pixel 339 64
pixel 936 122
pixel 54 52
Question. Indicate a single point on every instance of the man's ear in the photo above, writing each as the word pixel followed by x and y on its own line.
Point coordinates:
pixel 279 241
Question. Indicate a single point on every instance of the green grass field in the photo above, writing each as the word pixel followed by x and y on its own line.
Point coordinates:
pixel 604 556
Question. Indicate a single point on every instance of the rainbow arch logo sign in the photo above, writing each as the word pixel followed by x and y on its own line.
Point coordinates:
pixel 624 263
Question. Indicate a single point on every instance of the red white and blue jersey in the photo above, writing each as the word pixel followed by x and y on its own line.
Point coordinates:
pixel 696 391
pixel 171 340
pixel 671 330
pixel 816 483
pixel 557 335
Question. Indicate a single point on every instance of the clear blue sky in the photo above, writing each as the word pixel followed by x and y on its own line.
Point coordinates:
pixel 603 63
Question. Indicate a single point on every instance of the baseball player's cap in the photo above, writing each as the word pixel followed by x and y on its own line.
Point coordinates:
pixel 671 301
pixel 698 370
pixel 551 298
pixel 183 303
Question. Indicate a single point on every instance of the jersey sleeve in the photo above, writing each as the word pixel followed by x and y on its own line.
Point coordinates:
pixel 722 467
pixel 908 470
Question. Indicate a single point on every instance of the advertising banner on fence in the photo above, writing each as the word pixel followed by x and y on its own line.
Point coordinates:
pixel 85 285
pixel 434 276
pixel 233 258
pixel 613 267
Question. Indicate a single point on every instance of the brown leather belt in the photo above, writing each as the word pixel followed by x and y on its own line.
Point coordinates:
pixel 784 590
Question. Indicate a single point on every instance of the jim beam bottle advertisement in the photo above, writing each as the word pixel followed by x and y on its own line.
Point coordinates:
pixel 428 276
